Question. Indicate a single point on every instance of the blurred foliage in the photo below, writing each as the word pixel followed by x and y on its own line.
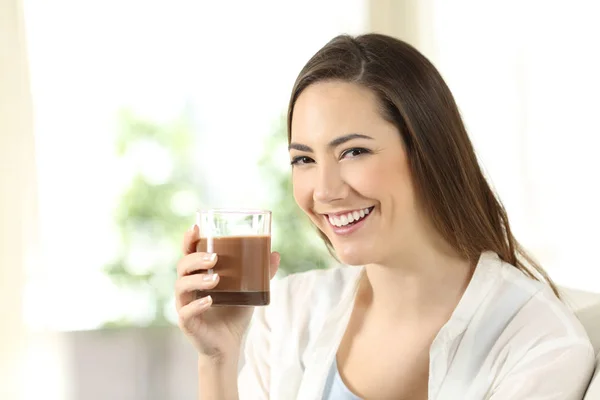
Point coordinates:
pixel 154 211
pixel 159 202
pixel 293 235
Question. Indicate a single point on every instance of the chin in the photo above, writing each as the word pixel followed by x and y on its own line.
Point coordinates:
pixel 353 256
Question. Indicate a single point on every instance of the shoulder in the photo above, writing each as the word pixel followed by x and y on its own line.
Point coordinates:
pixel 544 349
pixel 542 329
pixel 502 294
pixel 543 315
pixel 519 337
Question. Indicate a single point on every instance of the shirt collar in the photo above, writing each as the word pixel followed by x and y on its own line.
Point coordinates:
pixel 485 275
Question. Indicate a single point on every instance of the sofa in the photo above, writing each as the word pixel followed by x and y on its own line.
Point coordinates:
pixel 587 308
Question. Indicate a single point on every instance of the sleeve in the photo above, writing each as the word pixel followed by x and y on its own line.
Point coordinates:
pixel 254 377
pixel 550 373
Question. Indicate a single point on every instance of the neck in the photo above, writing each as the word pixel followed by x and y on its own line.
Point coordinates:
pixel 416 287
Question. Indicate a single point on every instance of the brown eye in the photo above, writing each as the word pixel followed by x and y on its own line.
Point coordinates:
pixel 300 160
pixel 354 152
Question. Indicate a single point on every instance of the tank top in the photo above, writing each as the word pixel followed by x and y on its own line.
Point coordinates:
pixel 335 388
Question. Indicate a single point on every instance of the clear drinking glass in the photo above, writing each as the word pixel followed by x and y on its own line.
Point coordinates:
pixel 242 241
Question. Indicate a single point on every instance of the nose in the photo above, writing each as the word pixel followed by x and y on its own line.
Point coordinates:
pixel 329 185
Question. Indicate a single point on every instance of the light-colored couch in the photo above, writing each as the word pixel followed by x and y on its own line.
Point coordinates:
pixel 587 307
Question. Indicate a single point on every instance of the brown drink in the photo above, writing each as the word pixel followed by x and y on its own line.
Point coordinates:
pixel 243 267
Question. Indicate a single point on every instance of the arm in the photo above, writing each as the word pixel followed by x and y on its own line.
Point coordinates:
pixel 549 373
pixel 217 379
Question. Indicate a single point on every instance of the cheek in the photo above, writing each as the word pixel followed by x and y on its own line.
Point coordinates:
pixel 387 181
pixel 401 192
pixel 302 191
pixel 373 180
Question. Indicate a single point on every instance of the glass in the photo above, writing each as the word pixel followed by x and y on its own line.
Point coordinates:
pixel 242 241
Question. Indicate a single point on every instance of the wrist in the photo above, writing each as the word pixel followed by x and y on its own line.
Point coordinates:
pixel 218 361
pixel 217 377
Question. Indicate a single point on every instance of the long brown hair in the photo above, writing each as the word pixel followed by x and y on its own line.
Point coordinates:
pixel 444 168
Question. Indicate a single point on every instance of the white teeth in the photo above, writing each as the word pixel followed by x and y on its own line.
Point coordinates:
pixel 345 219
pixel 334 221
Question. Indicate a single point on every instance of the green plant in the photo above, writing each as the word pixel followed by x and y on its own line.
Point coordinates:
pixel 153 212
pixel 161 198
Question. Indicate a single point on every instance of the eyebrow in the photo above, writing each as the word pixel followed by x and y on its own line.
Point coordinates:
pixel 334 143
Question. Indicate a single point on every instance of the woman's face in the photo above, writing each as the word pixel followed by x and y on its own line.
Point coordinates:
pixel 350 173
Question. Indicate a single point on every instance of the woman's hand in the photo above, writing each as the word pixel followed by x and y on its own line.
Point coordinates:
pixel 215 332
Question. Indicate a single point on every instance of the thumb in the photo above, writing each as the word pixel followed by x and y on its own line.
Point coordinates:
pixel 275 260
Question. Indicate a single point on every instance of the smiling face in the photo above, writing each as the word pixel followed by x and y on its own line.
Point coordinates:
pixel 351 174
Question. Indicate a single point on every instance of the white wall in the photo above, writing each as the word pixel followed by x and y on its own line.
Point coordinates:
pixel 525 76
pixel 17 185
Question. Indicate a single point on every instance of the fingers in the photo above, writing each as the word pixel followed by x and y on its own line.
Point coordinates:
pixel 188 312
pixel 196 262
pixel 275 260
pixel 186 285
pixel 190 239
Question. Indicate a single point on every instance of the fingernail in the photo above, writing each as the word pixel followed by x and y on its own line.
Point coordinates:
pixel 205 300
pixel 210 257
pixel 209 278
pixel 192 228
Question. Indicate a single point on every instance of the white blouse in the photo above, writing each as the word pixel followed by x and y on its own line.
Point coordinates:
pixel 508 338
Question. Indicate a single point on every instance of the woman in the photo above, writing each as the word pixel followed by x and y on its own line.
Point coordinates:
pixel 437 299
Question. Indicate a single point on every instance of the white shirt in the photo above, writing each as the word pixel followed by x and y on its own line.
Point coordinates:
pixel 508 338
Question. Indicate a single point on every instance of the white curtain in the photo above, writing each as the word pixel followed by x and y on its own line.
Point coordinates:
pixel 525 75
pixel 409 20
pixel 17 196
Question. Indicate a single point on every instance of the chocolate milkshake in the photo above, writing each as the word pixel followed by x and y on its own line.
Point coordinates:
pixel 243 268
